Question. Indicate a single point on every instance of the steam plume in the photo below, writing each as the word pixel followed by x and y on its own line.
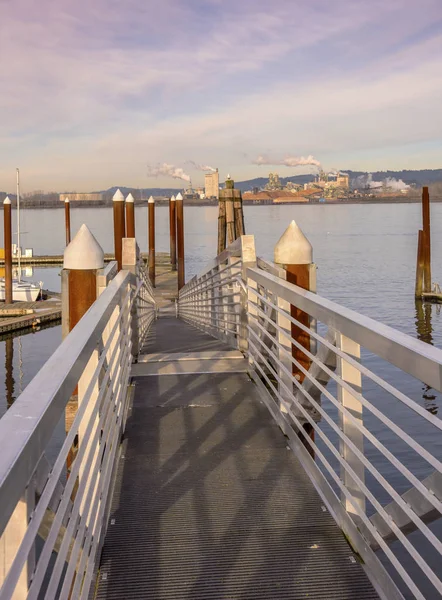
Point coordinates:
pixel 165 169
pixel 201 167
pixel 366 181
pixel 288 161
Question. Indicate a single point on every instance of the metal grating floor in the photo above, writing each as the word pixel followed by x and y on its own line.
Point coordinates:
pixel 209 503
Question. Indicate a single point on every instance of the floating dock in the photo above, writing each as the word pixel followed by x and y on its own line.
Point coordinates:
pixel 39 312
pixel 57 259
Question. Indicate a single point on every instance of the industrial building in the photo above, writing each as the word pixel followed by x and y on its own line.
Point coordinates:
pixel 211 185
pixel 74 197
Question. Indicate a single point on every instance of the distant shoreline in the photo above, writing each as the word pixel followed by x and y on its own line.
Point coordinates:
pixel 165 202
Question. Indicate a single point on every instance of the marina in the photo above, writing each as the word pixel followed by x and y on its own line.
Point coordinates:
pixel 232 383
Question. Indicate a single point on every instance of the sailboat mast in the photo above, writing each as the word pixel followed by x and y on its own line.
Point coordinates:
pixel 18 225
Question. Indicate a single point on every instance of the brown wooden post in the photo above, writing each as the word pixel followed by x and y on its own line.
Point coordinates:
pixel 83 258
pixel 119 227
pixel 221 223
pixel 180 240
pixel 8 249
pixel 239 216
pixel 426 238
pixel 151 211
pixel 420 265
pixel 9 371
pixel 172 228
pixel 130 216
pixel 294 253
pixel 67 220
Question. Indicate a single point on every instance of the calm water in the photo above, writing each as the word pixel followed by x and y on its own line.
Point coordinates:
pixel 366 258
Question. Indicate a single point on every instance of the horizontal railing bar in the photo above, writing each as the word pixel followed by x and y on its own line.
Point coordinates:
pixel 45 398
pixel 234 250
pixel 360 455
pixel 214 286
pixel 349 497
pixel 411 355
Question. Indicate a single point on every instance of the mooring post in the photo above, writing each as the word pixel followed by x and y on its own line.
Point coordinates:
pixel 82 260
pixel 180 240
pixel 420 263
pixel 172 228
pixel 67 220
pixel 294 253
pixel 151 211
pixel 119 226
pixel 8 249
pixel 130 216
pixel 426 238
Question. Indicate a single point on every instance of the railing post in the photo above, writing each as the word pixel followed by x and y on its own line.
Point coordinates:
pixel 130 216
pixel 119 226
pixel 8 249
pixel 248 261
pixel 172 229
pixel 353 377
pixel 131 256
pixel 83 258
pixel 151 211
pixel 67 220
pixel 180 241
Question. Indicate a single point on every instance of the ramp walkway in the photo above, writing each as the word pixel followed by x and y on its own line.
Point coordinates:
pixel 209 503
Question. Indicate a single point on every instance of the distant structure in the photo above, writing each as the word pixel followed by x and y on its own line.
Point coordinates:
pixel 81 197
pixel 274 183
pixel 211 185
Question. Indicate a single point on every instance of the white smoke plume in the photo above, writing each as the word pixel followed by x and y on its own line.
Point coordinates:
pixel 202 167
pixel 288 161
pixel 166 169
pixel 366 181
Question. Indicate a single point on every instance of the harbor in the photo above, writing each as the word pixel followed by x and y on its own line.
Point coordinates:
pixel 228 380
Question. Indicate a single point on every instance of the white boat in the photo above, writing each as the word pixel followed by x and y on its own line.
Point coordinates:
pixel 22 290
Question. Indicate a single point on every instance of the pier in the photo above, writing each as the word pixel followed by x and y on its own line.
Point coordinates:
pixel 223 443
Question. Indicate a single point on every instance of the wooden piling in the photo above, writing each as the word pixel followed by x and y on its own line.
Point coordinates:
pixel 420 265
pixel 180 240
pixel 293 252
pixel 238 213
pixel 130 216
pixel 8 249
pixel 221 224
pixel 82 260
pixel 67 220
pixel 172 228
pixel 119 227
pixel 426 241
pixel 9 371
pixel 231 216
pixel 151 211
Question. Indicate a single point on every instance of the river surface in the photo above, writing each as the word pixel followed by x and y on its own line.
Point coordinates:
pixel 366 257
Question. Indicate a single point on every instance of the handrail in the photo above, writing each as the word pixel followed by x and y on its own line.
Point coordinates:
pixel 249 305
pixel 28 425
pixel 408 354
pixel 94 363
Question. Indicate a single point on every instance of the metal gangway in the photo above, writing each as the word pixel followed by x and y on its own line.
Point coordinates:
pixel 332 429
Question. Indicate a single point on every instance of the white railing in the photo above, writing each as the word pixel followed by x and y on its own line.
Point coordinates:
pixel 341 399
pixel 55 487
pixel 212 301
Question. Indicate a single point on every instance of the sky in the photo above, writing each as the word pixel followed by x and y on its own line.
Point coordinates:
pixel 96 93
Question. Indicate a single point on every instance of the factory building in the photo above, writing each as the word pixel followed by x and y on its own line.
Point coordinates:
pixel 211 185
pixel 81 197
